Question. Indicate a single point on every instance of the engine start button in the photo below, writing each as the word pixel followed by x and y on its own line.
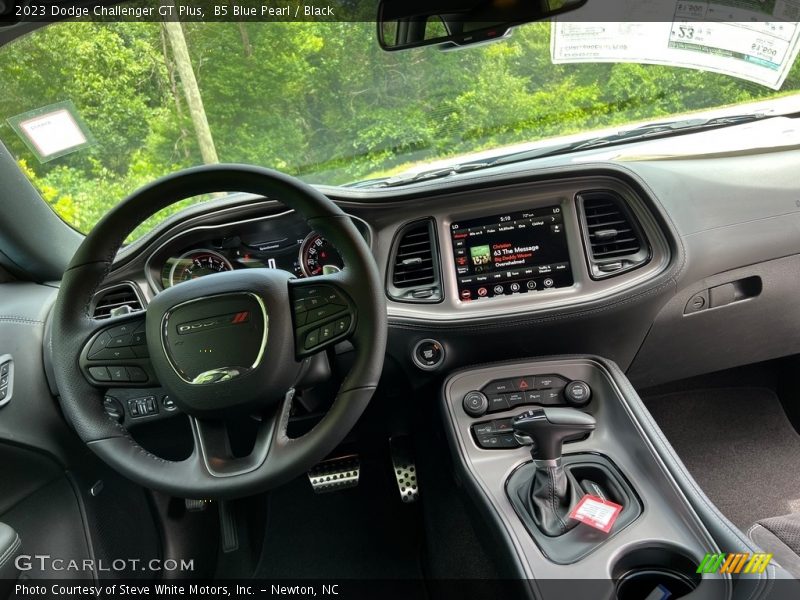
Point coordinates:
pixel 428 354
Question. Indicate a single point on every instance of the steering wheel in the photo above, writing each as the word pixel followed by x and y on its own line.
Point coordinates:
pixel 229 343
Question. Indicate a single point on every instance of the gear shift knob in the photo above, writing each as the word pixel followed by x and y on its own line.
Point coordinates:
pixel 549 427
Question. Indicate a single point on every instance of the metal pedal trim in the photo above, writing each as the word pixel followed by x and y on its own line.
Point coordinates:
pixel 405 471
pixel 335 474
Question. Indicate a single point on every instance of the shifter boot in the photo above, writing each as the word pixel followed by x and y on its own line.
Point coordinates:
pixel 553 493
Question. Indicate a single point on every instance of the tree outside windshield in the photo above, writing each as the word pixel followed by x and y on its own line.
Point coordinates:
pixel 317 100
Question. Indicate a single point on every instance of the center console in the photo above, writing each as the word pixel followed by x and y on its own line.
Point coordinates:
pixel 533 438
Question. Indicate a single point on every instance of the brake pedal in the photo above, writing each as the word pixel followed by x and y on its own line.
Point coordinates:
pixel 335 474
pixel 405 471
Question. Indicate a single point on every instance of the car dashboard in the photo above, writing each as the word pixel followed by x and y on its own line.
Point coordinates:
pixel 633 257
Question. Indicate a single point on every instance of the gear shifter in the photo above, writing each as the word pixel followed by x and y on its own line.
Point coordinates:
pixel 553 491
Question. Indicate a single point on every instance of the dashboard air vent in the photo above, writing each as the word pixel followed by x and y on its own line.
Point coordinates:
pixel 117 300
pixel 614 241
pixel 414 270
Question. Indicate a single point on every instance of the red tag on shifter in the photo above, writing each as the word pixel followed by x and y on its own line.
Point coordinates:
pixel 596 512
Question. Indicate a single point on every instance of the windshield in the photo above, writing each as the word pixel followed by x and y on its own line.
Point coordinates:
pixel 126 103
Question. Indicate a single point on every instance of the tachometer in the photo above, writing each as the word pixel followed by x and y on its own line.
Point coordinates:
pixel 318 256
pixel 198 263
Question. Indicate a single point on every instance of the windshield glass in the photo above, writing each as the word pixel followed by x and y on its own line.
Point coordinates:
pixel 128 102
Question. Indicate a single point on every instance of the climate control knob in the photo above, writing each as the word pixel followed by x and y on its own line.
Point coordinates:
pixel 475 404
pixel 577 393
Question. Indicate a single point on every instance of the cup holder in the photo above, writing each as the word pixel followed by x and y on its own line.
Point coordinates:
pixel 654 573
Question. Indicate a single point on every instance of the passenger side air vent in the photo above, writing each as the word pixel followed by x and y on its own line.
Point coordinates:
pixel 613 238
pixel 414 269
pixel 117 300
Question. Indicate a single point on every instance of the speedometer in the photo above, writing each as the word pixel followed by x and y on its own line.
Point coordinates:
pixel 198 263
pixel 318 256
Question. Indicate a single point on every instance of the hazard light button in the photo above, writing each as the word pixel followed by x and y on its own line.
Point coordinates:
pixel 523 384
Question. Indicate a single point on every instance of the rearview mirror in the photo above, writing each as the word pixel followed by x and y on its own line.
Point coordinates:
pixel 406 24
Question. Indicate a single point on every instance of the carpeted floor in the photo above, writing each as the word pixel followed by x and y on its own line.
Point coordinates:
pixel 738 445
pixel 359 533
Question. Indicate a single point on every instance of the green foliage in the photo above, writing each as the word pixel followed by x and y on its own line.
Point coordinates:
pixel 317 100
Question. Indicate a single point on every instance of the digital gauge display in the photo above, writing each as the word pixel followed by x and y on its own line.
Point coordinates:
pixel 196 264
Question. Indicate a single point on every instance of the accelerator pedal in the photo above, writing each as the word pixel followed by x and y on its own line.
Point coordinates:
pixel 335 474
pixel 405 471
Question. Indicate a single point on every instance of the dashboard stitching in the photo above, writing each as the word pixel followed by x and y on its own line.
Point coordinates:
pixel 23 320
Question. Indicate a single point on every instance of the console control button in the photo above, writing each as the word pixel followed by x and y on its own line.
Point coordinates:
pixel 494 435
pixel 523 384
pixel 498 403
pixel 551 397
pixel 501 386
pixel 544 382
pixel 516 399
pixel 475 404
pixel 578 393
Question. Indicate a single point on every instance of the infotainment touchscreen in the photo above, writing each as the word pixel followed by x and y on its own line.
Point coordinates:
pixel 514 253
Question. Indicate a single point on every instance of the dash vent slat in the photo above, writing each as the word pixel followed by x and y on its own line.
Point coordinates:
pixel 414 264
pixel 614 241
pixel 115 298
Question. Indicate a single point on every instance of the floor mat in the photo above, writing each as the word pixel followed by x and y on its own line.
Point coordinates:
pixel 359 533
pixel 738 445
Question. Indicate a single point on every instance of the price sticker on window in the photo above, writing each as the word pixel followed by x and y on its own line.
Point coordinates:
pixel 596 512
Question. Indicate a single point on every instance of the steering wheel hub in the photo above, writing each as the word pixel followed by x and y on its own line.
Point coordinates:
pixel 224 342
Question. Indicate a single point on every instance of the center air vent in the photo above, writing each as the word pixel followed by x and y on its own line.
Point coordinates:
pixel 613 238
pixel 414 271
pixel 117 300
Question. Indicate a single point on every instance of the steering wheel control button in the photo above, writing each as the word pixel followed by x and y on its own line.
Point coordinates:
pixel 326 332
pixel 136 375
pixel 113 354
pixel 475 404
pixel 120 341
pixel 99 374
pixel 99 344
pixel 125 329
pixel 322 316
pixel 428 355
pixel 312 339
pixel 342 325
pixel 578 393
pixel 119 374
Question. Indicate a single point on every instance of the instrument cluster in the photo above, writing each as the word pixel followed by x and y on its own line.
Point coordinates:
pixel 280 242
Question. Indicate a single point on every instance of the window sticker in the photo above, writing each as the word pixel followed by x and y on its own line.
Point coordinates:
pixel 754 41
pixel 52 131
